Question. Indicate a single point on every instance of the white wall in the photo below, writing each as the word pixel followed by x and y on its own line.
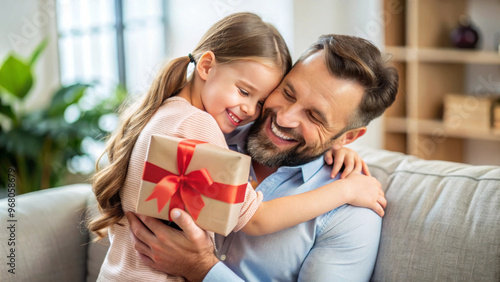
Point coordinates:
pixel 190 19
pixel 23 24
pixel 356 17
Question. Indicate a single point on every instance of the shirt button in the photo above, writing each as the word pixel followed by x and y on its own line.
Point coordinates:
pixel 223 257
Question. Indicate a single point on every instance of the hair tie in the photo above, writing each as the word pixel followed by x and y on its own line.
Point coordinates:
pixel 191 58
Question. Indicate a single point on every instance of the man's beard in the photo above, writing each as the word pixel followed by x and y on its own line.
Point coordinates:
pixel 262 150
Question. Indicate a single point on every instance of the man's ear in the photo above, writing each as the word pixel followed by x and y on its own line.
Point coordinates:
pixel 205 63
pixel 351 135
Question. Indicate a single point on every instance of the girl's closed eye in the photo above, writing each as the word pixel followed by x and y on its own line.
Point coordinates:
pixel 260 104
pixel 243 92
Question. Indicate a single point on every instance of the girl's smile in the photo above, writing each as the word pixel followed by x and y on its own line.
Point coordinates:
pixel 233 118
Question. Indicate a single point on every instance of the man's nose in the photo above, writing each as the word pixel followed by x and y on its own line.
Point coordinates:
pixel 288 116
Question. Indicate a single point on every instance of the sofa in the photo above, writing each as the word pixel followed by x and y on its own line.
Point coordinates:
pixel 442 223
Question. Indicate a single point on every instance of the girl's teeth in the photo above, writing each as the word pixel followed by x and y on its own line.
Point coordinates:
pixel 278 133
pixel 235 119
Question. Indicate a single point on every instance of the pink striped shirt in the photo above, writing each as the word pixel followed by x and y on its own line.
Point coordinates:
pixel 178 118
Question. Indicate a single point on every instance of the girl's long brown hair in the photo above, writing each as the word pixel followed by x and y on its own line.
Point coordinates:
pixel 236 37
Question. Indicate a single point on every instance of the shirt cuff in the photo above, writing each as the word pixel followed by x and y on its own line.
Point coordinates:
pixel 220 272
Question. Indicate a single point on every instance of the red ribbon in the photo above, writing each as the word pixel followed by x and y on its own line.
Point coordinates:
pixel 184 190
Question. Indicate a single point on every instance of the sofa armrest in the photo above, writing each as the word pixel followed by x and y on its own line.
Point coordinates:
pixel 50 243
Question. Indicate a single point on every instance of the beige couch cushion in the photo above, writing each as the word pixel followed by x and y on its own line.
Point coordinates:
pixel 442 221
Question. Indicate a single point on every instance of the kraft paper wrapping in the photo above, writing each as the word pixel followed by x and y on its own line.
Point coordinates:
pixel 225 166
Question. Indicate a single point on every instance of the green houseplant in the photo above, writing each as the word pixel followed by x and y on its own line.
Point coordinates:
pixel 39 144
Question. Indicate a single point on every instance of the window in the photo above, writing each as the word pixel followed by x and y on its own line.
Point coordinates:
pixel 110 42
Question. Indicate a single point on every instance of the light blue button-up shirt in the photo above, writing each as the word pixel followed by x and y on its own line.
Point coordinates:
pixel 340 245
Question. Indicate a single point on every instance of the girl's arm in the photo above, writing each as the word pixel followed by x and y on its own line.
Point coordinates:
pixel 278 214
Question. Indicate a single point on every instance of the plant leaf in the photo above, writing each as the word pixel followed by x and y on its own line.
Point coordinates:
pixel 16 77
pixel 21 143
pixel 64 97
pixel 6 110
pixel 38 50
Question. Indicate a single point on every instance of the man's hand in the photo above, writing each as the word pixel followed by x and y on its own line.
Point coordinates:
pixel 188 253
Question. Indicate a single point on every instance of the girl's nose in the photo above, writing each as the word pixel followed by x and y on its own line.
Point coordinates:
pixel 249 110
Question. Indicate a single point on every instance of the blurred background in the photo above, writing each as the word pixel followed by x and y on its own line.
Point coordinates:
pixel 67 65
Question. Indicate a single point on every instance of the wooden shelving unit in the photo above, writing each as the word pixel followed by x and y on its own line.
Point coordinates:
pixel 443 55
pixel 417 37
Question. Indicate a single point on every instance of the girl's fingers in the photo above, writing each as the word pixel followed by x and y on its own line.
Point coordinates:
pixel 382 201
pixel 328 157
pixel 365 169
pixel 381 192
pixel 358 166
pixel 348 167
pixel 380 211
pixel 337 165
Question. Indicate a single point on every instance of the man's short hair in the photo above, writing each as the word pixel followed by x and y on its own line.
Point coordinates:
pixel 356 59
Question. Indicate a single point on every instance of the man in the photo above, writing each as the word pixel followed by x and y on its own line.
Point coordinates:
pixel 335 89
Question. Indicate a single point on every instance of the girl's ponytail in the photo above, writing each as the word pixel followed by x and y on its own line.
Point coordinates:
pixel 108 181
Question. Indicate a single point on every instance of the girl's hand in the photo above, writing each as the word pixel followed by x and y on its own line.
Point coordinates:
pixel 365 191
pixel 344 156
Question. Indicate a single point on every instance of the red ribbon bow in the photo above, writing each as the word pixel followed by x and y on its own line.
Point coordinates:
pixel 184 190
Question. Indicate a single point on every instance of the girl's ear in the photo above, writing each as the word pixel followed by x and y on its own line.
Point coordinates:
pixel 205 63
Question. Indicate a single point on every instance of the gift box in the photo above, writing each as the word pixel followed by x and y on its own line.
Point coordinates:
pixel 207 181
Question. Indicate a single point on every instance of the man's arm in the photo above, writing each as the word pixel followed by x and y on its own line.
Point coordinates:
pixel 188 253
pixel 346 249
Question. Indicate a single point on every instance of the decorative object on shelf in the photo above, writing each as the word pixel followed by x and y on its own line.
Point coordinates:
pixel 464 35
pixel 469 112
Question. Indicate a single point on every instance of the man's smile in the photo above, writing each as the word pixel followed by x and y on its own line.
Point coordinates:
pixel 278 134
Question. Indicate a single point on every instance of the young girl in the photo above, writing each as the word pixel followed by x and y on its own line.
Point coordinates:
pixel 238 62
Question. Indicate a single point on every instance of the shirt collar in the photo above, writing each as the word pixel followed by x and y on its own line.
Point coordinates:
pixel 236 140
pixel 308 170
